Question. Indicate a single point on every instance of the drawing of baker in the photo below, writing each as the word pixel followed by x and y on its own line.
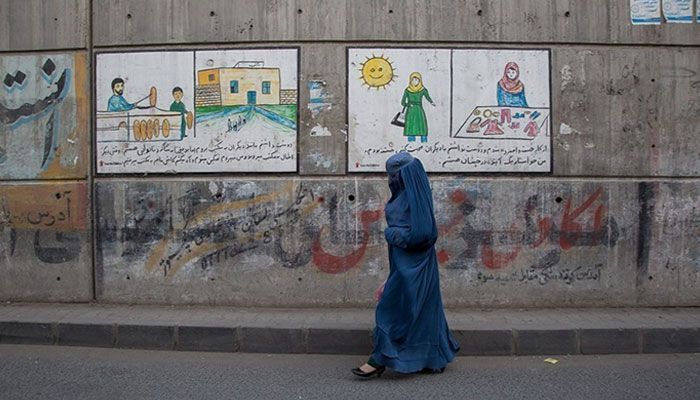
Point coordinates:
pixel 116 101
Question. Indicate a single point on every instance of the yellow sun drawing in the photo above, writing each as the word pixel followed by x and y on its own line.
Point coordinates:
pixel 377 72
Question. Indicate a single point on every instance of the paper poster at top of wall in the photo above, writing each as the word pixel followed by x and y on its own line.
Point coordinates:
pixel 678 11
pixel 645 12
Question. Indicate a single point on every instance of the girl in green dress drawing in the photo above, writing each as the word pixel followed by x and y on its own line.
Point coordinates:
pixel 416 123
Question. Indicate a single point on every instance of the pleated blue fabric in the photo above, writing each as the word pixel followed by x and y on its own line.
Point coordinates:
pixel 411 331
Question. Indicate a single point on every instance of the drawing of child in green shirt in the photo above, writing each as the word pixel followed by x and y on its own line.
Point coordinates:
pixel 179 106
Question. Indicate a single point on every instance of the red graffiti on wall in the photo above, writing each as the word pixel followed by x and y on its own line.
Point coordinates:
pixel 538 231
pixel 443 256
pixel 333 264
pixel 569 232
pixel 570 229
pixel 493 259
pixel 458 197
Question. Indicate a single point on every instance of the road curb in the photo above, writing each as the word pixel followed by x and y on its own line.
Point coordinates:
pixel 670 340
pixel 26 333
pixel 88 335
pixel 205 338
pixel 347 341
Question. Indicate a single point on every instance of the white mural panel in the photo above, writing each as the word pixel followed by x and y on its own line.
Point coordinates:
pixel 145 105
pixel 458 110
pixel 247 101
pixel 501 111
pixel 380 88
pixel 190 111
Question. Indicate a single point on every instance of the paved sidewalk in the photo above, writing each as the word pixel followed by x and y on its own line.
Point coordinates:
pixel 348 331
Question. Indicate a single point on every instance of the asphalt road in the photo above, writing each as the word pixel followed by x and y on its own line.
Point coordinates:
pixel 56 372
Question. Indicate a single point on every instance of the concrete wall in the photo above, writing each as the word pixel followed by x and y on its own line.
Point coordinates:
pixel 531 21
pixel 45 246
pixel 616 222
pixel 320 242
pixel 45 212
pixel 44 25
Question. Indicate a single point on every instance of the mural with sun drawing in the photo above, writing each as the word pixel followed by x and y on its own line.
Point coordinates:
pixel 43 116
pixel 412 107
pixel 377 72
pixel 479 110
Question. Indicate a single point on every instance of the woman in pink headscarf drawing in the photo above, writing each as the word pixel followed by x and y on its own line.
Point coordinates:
pixel 511 91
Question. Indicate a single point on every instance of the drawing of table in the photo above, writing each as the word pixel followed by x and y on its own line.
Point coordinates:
pixel 138 125
pixel 504 123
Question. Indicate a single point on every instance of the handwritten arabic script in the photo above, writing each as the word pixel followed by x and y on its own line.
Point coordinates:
pixel 479 156
pixel 215 156
pixel 45 207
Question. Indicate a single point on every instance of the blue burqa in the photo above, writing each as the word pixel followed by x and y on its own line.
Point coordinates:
pixel 411 332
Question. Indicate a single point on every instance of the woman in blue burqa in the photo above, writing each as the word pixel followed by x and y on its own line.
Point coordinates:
pixel 411 332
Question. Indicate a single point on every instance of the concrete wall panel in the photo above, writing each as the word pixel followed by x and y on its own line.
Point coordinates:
pixel 44 116
pixel 551 21
pixel 45 251
pixel 320 242
pixel 322 110
pixel 537 243
pixel 617 111
pixel 669 262
pixel 247 242
pixel 41 24
pixel 626 111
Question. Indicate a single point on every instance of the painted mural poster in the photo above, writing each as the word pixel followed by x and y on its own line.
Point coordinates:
pixel 43 116
pixel 190 111
pixel 145 104
pixel 246 101
pixel 458 110
pixel 501 110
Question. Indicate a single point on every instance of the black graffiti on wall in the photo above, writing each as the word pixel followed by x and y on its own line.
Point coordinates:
pixel 11 115
pixel 216 225
pixel 56 247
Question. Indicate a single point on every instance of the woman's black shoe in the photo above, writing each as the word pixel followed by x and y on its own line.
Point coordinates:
pixel 378 371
